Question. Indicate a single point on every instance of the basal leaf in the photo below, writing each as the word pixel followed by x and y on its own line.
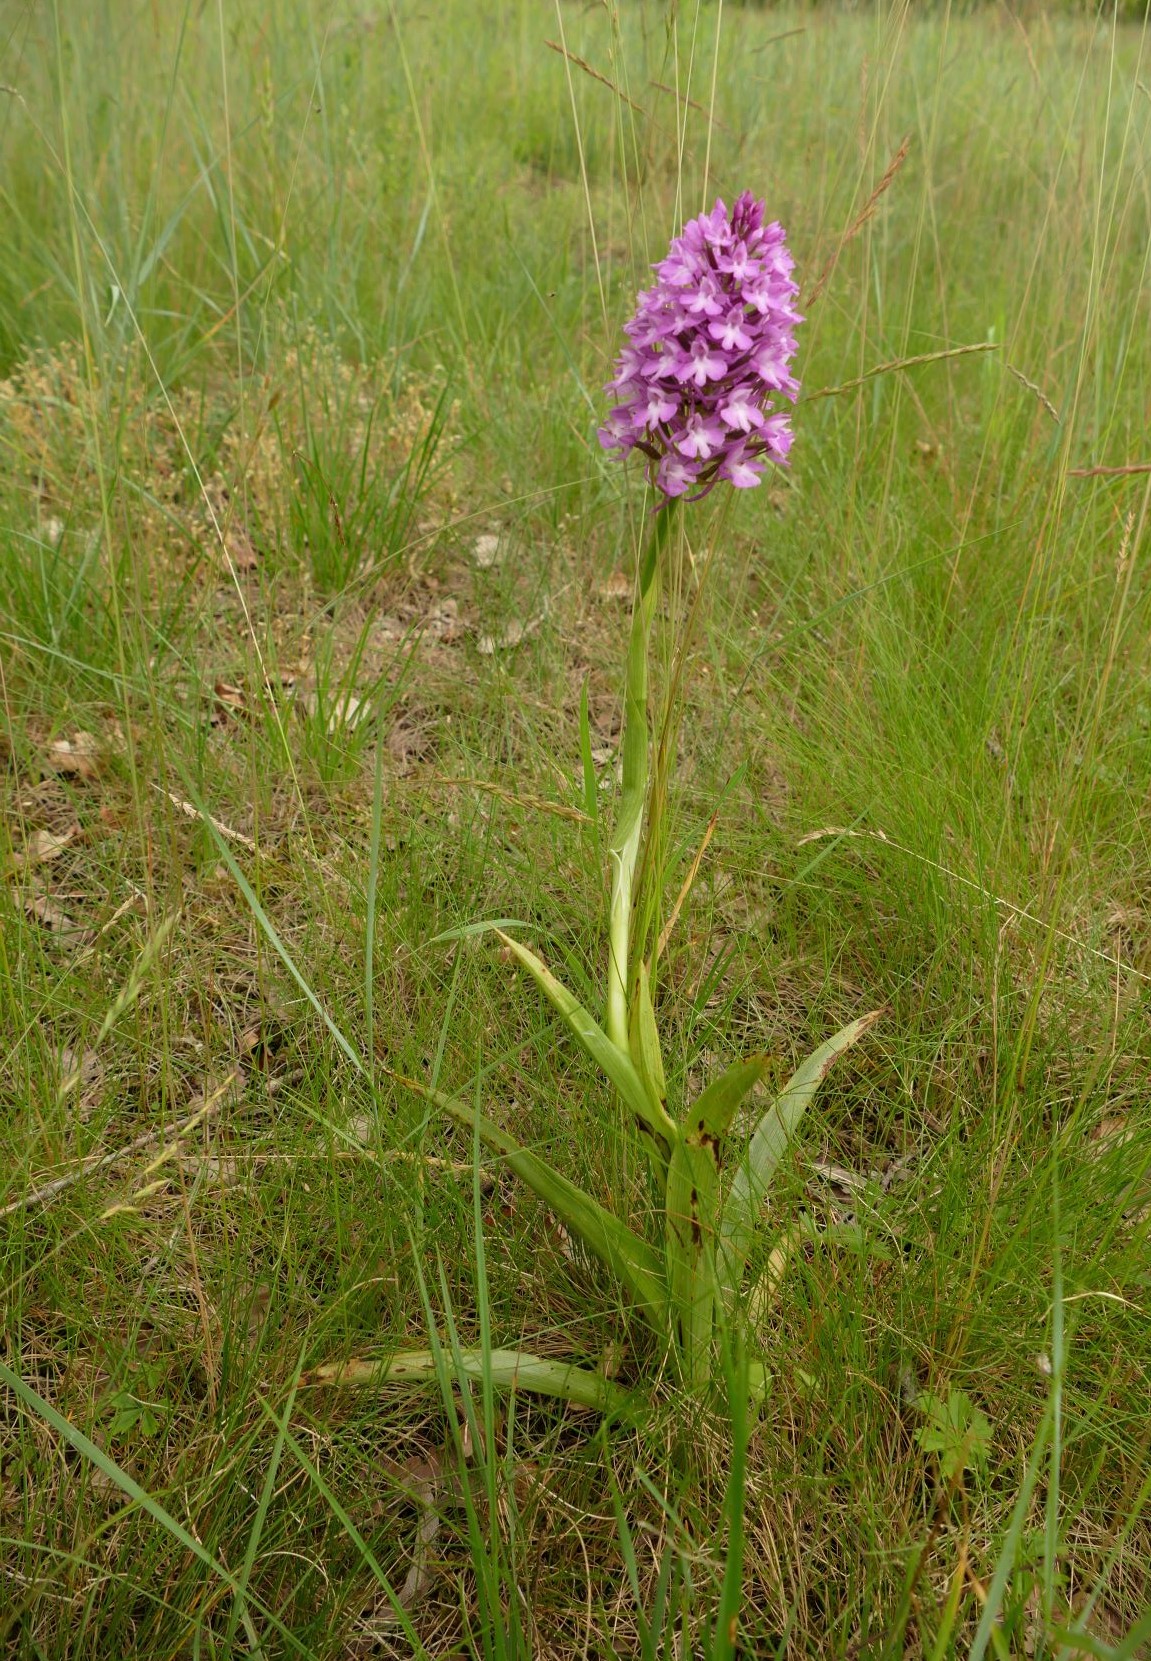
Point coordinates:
pixel 689 1243
pixel 629 1257
pixel 654 1124
pixel 753 1178
pixel 717 1106
pixel 507 1369
pixel 644 1038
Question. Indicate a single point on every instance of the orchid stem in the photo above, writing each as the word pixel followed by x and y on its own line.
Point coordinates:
pixel 625 844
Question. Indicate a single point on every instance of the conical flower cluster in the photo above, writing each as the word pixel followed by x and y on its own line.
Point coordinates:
pixel 710 350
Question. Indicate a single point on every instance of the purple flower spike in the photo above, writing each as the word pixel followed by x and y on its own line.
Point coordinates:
pixel 711 346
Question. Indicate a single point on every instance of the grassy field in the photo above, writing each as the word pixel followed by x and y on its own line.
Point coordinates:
pixel 309 557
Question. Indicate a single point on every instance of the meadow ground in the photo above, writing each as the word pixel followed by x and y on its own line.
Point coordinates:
pixel 309 560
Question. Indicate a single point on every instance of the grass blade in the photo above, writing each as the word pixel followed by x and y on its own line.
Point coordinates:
pixel 115 1473
pixel 367 1556
pixel 587 760
pixel 266 1493
pixel 1009 1551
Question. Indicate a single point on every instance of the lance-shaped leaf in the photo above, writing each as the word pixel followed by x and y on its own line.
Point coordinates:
pixel 627 1254
pixel 692 1205
pixel 508 1370
pixel 644 1039
pixel 717 1106
pixel 659 1131
pixel 753 1178
pixel 692 1187
pixel 629 1257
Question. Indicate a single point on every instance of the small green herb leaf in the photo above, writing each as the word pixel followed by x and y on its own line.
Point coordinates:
pixel 956 1431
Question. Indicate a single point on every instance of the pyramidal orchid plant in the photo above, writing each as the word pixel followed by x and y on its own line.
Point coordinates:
pixel 696 390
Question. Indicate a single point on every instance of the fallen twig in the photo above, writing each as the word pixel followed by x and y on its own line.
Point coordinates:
pixel 1126 471
pixel 582 63
pixel 193 812
pixel 520 799
pixel 97 1162
pixel 901 363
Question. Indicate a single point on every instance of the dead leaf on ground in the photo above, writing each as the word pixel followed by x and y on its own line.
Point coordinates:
pixel 48 911
pixel 408 743
pixel 242 554
pixel 487 551
pixel 230 700
pixel 346 710
pixel 617 587
pixel 79 1071
pixel 1111 1130
pixel 513 634
pixel 442 622
pixel 44 845
pixel 219 1172
pixel 75 757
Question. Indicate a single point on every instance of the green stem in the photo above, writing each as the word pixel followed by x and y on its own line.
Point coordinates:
pixel 625 843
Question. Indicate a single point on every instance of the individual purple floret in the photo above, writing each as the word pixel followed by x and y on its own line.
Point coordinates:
pixel 711 346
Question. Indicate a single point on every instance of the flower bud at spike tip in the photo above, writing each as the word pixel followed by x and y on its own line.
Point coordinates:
pixel 711 346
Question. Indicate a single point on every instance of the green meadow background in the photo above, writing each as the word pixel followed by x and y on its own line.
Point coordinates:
pixel 309 562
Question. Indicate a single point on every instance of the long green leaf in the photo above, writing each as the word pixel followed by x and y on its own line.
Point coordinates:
pixel 507 1369
pixel 644 1038
pixel 629 1257
pixel 692 1186
pixel 692 1205
pixel 653 1122
pixel 627 1254
pixel 753 1178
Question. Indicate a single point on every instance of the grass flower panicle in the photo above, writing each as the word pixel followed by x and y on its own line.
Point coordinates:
pixel 711 347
